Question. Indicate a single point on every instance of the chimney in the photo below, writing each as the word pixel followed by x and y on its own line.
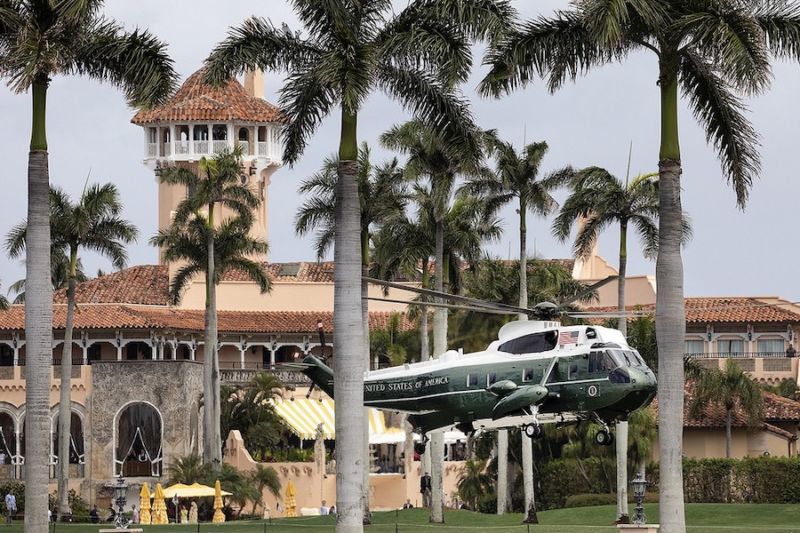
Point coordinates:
pixel 254 83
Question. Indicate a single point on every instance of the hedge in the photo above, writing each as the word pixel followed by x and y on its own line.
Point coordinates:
pixel 748 480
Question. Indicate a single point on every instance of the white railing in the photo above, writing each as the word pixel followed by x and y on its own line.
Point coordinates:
pixel 201 147
pixel 245 146
pixel 181 147
pixel 152 149
pixel 166 149
pixel 219 146
pixel 263 148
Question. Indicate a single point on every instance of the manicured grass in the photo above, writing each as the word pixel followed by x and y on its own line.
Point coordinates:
pixel 701 518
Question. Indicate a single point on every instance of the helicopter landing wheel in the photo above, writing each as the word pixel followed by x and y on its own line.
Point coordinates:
pixel 533 431
pixel 604 437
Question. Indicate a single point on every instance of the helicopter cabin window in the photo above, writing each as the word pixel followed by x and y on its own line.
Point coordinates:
pixel 490 379
pixel 527 375
pixel 533 343
pixel 573 372
pixel 472 380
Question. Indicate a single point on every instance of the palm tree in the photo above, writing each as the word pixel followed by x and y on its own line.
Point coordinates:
pixel 517 176
pixel 711 50
pixel 215 185
pixel 226 245
pixel 643 433
pixel 265 477
pixel 39 40
pixel 3 303
pixel 599 200
pixel 473 482
pixel 415 56
pixel 728 388
pixel 93 223
pixel 188 469
pixel 383 195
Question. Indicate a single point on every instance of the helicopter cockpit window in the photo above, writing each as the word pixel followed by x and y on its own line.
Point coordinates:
pixel 602 362
pixel 472 380
pixel 639 358
pixel 490 379
pixel 527 375
pixel 533 343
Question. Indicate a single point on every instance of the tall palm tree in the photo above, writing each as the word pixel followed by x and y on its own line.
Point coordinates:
pixel 415 56
pixel 517 176
pixel 600 199
pixel 40 39
pixel 431 158
pixel 92 223
pixel 382 195
pixel 216 186
pixel 728 388
pixel 713 51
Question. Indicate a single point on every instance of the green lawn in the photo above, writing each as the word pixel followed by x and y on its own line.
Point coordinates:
pixel 701 518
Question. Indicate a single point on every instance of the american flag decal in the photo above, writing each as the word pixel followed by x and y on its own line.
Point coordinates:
pixel 567 337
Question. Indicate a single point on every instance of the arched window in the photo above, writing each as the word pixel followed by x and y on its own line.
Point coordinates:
pixel 8 445
pixel 76 444
pixel 137 450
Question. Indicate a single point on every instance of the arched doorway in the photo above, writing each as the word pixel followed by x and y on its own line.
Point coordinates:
pixel 137 446
pixel 77 454
pixel 288 354
pixel 8 444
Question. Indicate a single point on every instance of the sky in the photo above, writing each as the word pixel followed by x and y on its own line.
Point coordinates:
pixel 590 122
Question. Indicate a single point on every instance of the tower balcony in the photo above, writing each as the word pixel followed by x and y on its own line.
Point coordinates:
pixel 191 142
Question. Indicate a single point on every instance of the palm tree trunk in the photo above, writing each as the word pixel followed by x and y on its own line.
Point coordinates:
pixel 728 433
pixel 65 400
pixel 213 443
pixel 670 313
pixel 348 329
pixel 527 444
pixel 622 425
pixel 38 320
pixel 365 324
pixel 425 351
pixel 502 471
pixel 436 446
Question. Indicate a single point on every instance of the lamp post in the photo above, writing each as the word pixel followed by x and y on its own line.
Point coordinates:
pixel 639 485
pixel 120 498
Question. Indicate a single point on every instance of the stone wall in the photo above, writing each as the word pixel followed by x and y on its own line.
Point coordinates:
pixel 173 387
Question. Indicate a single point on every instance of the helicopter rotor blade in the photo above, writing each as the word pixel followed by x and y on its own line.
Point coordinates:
pixel 474 309
pixel 587 291
pixel 510 309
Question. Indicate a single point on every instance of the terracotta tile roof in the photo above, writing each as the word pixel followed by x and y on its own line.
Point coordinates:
pixel 110 316
pixel 143 284
pixel 776 410
pixel 297 272
pixel 197 101
pixel 723 310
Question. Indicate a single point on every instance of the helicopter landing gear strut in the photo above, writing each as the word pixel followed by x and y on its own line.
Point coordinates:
pixel 533 431
pixel 603 437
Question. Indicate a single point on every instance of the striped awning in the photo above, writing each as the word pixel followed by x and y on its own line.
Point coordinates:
pixel 303 416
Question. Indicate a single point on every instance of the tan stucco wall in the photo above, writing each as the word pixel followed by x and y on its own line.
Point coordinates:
pixel 387 491
pixel 242 296
pixel 699 443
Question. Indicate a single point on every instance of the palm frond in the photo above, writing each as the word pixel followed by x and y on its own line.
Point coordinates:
pixel 257 44
pixel 15 240
pixel 780 22
pixel 447 114
pixel 610 20
pixel 722 115
pixel 306 99
pixel 136 62
pixel 183 276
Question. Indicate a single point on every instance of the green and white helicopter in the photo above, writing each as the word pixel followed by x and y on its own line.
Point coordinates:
pixel 536 372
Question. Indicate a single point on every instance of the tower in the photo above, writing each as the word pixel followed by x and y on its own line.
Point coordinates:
pixel 201 121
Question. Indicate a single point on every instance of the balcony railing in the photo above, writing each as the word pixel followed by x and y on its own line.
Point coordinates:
pixel 201 147
pixel 242 376
pixel 736 355
pixel 181 147
pixel 219 146
pixel 152 149
pixel 245 147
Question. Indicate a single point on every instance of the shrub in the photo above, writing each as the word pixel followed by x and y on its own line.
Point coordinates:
pixel 79 506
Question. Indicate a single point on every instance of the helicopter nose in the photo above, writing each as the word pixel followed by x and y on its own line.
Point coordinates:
pixel 641 379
